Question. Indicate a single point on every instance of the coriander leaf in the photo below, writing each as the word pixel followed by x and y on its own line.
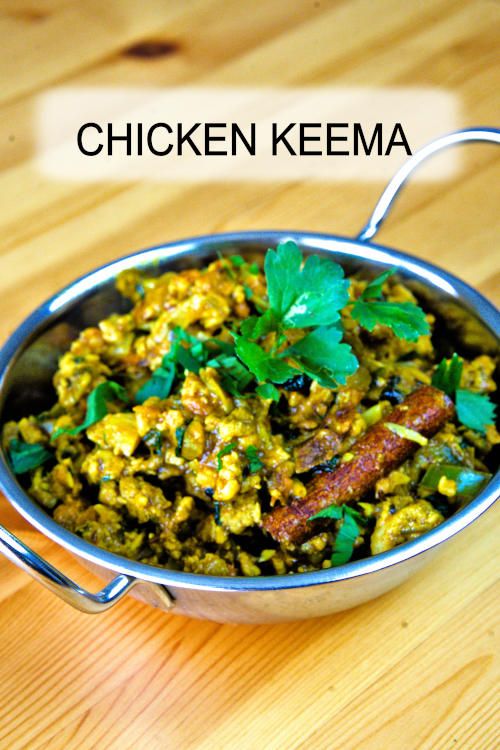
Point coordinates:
pixel 359 517
pixel 468 482
pixel 267 390
pixel 26 456
pixel 474 410
pixel 282 266
pixel 337 511
pixel 321 356
pixel 322 293
pixel 254 462
pixel 343 546
pixel 404 318
pixel 333 511
pixel 373 290
pixel 237 260
pixel 224 452
pixel 226 265
pixel 263 365
pixel 254 327
pixel 254 269
pixel 160 384
pixel 447 375
pixel 309 296
pixel 179 437
pixel 234 376
pixel 97 406
pixel 187 361
pixel 191 358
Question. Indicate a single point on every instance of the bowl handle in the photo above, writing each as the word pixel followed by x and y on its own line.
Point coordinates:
pixel 42 571
pixel 383 206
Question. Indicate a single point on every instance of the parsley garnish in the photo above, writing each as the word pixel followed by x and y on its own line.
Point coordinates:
pixel 26 456
pixel 254 462
pixel 234 376
pixel 223 452
pixel 373 290
pixel 447 375
pixel 343 547
pixel 322 356
pixel 237 260
pixel 474 410
pixel 262 364
pixel 159 385
pixel 305 295
pixel 267 390
pixel 179 438
pixel 405 319
pixel 97 406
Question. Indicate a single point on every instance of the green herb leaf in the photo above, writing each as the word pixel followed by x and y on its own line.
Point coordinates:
pixel 469 482
pixel 237 260
pixel 254 269
pixel 404 318
pixel 262 364
pixel 224 452
pixel 373 290
pixel 234 376
pixel 267 390
pixel 193 357
pixel 254 462
pixel 308 295
pixel 179 438
pixel 343 546
pixel 349 531
pixel 323 357
pixel 97 406
pixel 333 511
pixel 474 410
pixel 447 375
pixel 160 384
pixel 255 327
pixel 26 456
pixel 226 264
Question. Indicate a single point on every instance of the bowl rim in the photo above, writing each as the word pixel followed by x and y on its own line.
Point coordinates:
pixel 374 253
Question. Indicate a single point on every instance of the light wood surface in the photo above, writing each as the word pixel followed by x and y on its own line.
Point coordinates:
pixel 414 669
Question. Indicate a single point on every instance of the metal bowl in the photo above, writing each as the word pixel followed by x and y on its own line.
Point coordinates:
pixel 28 361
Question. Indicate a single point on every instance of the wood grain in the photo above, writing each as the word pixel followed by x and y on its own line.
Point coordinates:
pixel 416 668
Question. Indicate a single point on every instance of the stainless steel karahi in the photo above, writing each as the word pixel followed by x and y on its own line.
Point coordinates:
pixel 28 361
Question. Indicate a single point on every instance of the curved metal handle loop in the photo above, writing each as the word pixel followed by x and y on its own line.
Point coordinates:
pixel 388 197
pixel 22 556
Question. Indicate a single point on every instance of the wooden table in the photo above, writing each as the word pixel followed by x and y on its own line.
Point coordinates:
pixel 414 669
